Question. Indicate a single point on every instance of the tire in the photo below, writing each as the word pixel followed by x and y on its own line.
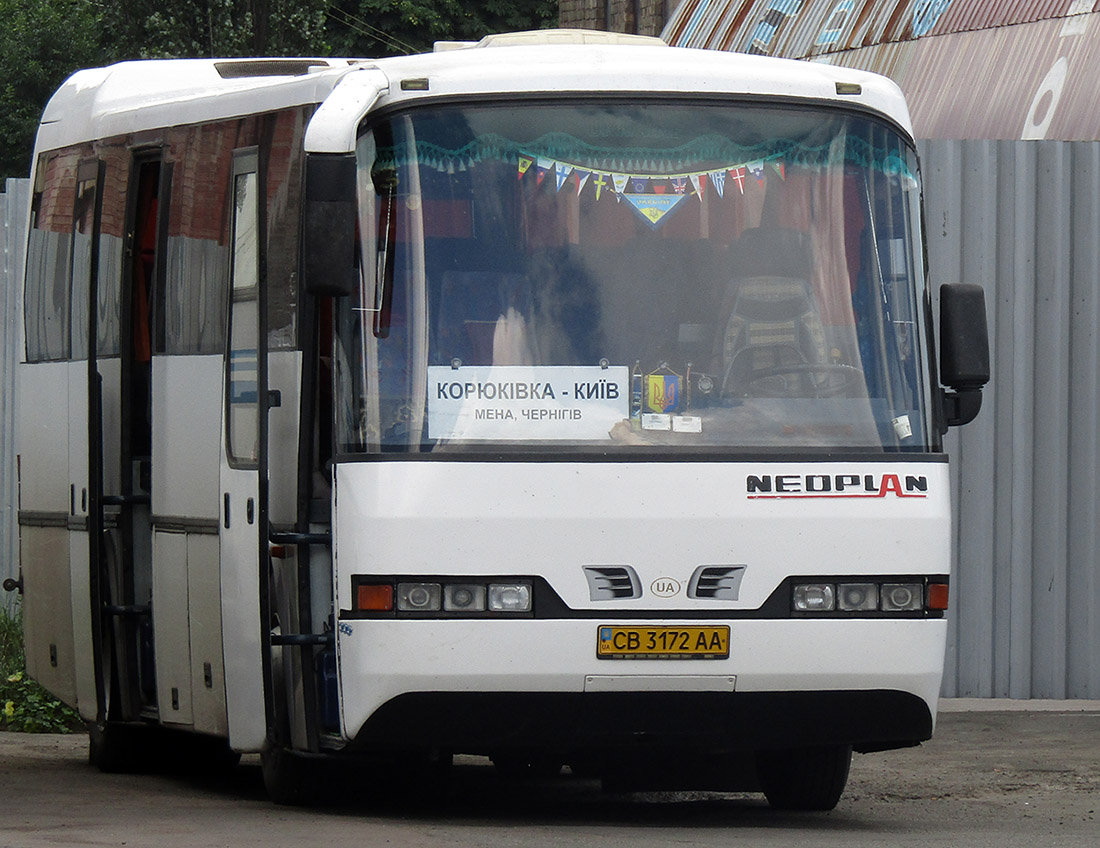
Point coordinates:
pixel 806 778
pixel 119 748
pixel 290 778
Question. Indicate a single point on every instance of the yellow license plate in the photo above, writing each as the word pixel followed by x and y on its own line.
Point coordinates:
pixel 687 642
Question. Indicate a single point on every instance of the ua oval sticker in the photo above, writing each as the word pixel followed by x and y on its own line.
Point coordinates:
pixel 665 587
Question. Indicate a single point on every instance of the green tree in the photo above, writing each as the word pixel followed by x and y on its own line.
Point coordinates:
pixel 152 29
pixel 41 43
pixel 44 41
pixel 390 27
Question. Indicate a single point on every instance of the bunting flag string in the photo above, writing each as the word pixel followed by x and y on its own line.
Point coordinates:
pixel 546 152
pixel 652 185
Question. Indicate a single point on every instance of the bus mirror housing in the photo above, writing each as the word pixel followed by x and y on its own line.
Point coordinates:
pixel 964 350
pixel 329 260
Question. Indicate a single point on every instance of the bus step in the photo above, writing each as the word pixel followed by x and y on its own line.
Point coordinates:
pixel 301 538
pixel 124 610
pixel 122 500
pixel 301 639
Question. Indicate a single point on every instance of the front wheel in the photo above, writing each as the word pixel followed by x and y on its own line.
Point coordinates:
pixel 804 778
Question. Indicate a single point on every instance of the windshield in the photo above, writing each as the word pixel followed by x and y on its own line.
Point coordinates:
pixel 634 277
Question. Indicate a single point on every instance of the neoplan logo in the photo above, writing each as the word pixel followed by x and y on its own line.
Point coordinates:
pixel 836 486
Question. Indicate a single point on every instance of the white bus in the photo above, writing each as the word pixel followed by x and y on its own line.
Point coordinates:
pixel 563 398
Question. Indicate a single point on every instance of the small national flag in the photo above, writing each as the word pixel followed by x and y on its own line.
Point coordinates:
pixel 562 172
pixel 738 175
pixel 662 392
pixel 600 182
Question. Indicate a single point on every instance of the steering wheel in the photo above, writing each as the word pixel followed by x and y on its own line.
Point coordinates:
pixel 803 380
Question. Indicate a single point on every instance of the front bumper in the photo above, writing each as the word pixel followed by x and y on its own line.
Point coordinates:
pixel 473 686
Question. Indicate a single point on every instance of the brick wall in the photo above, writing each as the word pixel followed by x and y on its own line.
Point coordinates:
pixel 645 17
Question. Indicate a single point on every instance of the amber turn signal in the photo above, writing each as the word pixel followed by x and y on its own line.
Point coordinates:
pixel 374 597
pixel 937 596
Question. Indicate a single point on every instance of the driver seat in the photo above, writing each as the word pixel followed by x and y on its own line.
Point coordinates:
pixel 773 321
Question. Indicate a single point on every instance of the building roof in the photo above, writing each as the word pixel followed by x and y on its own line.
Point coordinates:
pixel 969 68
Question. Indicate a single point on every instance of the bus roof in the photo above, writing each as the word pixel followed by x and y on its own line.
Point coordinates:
pixel 136 96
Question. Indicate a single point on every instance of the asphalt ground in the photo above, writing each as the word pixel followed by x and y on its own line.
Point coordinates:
pixel 998 774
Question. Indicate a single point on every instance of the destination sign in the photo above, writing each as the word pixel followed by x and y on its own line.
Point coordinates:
pixel 526 402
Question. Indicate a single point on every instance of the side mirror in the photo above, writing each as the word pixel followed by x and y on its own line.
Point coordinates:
pixel 329 261
pixel 964 350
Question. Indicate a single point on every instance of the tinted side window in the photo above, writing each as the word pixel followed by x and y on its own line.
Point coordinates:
pixel 243 364
pixel 49 258
pixel 284 203
pixel 196 281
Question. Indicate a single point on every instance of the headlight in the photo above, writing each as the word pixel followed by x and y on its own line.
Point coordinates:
pixel 510 597
pixel 814 597
pixel 464 597
pixel 419 597
pixel 441 597
pixel 900 597
pixel 857 596
pixel 871 597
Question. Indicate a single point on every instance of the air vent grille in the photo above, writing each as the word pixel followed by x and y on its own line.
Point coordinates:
pixel 716 582
pixel 612 582
pixel 268 68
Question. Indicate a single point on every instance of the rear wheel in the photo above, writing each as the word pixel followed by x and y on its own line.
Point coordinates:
pixel 805 778
pixel 119 748
pixel 290 778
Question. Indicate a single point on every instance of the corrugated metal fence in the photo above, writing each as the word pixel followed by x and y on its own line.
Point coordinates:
pixel 1022 218
pixel 13 224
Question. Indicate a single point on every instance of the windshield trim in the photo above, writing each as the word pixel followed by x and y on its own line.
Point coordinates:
pixel 583 98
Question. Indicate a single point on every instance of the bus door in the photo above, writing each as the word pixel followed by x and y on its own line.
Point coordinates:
pixel 243 527
pixel 84 260
pixel 120 466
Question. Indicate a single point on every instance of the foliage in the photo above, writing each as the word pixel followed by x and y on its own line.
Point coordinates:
pixel 24 705
pixel 43 41
pixel 391 27
pixel 152 29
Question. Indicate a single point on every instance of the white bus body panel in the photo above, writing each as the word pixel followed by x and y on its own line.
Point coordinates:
pixel 42 427
pixel 135 96
pixel 42 438
pixel 627 69
pixel 171 639
pixel 240 612
pixel 187 402
pixel 79 541
pixel 663 519
pixel 284 375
